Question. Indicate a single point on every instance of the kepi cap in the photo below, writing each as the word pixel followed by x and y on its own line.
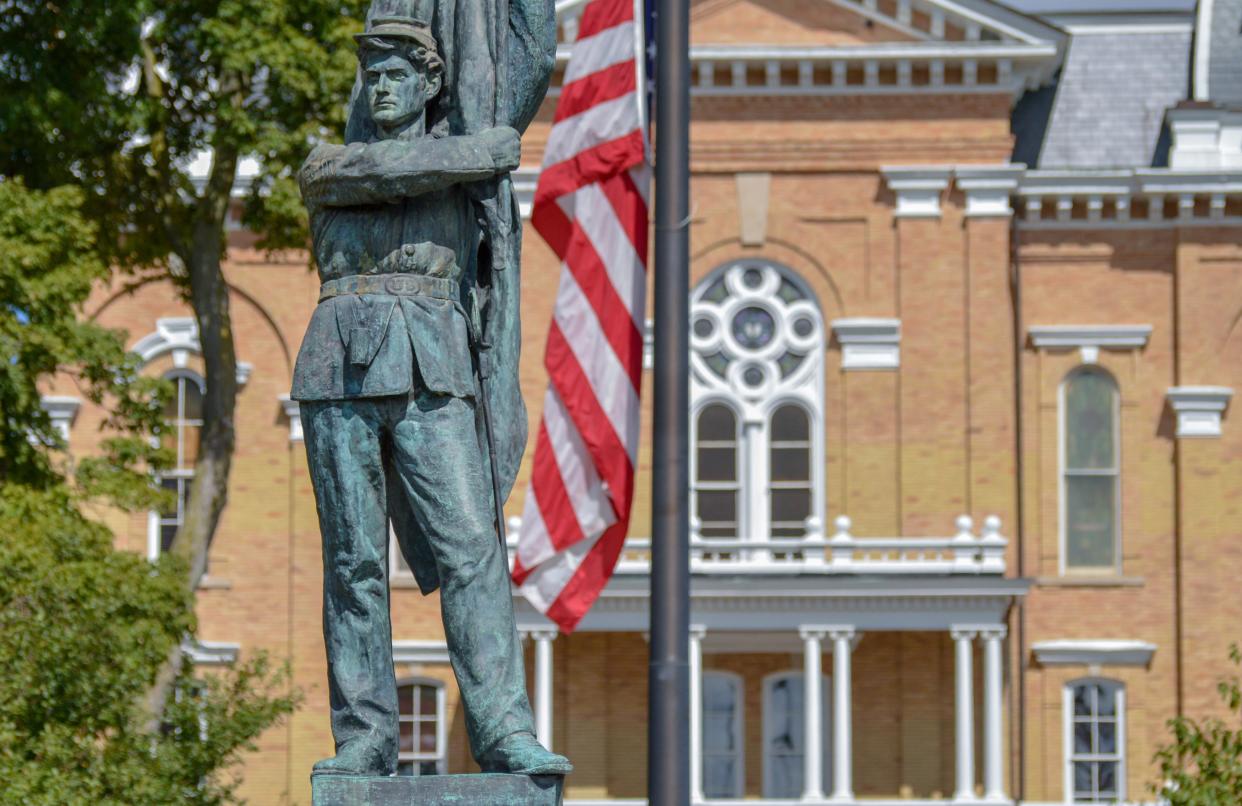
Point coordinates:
pixel 397 27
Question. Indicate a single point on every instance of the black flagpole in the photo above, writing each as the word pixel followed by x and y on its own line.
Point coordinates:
pixel 668 730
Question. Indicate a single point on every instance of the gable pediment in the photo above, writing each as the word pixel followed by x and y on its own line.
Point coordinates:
pixel 789 23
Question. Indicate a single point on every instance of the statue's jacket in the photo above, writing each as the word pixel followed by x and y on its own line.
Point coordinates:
pixel 387 208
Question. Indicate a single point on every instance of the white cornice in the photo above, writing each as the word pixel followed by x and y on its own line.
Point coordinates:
pixel 1069 337
pixel 211 653
pixel 1093 652
pixel 868 343
pixel 1199 409
pixel 420 652
pixel 918 188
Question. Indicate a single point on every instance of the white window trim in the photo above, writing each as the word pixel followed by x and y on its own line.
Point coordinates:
pixel 739 730
pixel 1063 567
pixel 441 754
pixel 825 741
pixel 1067 733
pixel 754 410
pixel 154 542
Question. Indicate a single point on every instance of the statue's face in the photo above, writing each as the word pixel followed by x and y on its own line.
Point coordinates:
pixel 397 90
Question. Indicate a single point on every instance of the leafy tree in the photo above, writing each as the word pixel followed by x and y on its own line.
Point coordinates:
pixel 84 629
pixel 118 97
pixel 1203 764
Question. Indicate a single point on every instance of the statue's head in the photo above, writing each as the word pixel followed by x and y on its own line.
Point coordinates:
pixel 401 71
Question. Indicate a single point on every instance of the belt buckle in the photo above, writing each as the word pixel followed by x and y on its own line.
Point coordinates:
pixel 401 285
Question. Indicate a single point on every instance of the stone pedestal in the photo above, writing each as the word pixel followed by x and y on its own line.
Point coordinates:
pixel 486 789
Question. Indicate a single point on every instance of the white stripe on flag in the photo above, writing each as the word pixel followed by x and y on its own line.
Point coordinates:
pixel 547 581
pixel 609 380
pixel 604 49
pixel 599 124
pixel 614 247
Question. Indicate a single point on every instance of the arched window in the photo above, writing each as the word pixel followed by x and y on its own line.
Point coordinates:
pixel 183 418
pixel 784 736
pixel 757 380
pixel 421 748
pixel 1095 741
pixel 723 765
pixel 1090 453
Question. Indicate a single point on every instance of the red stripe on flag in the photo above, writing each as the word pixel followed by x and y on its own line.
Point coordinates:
pixel 607 449
pixel 598 17
pixel 589 579
pixel 589 166
pixel 588 270
pixel 630 209
pixel 596 88
pixel 548 487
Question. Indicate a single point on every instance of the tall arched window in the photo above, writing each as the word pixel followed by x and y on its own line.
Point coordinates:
pixel 1090 457
pixel 723 766
pixel 183 418
pixel 784 736
pixel 421 745
pixel 757 381
pixel 1095 741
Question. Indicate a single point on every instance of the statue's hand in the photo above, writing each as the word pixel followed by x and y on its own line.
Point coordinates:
pixel 505 146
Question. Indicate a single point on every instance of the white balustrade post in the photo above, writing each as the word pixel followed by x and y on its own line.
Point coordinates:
pixel 965 547
pixel 842 544
pixel 993 786
pixel 842 715
pixel 696 714
pixel 813 710
pixel 543 685
pixel 964 646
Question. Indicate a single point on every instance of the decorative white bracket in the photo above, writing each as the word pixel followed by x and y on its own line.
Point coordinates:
pixel 1199 409
pixel 293 410
pixel 62 410
pixel 869 343
pixel 988 188
pixel 918 189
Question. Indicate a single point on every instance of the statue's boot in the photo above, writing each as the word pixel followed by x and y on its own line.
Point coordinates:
pixel 522 754
pixel 354 758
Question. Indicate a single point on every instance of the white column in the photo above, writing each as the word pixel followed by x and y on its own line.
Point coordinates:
pixel 964 641
pixel 696 714
pixel 813 710
pixel 993 787
pixel 842 715
pixel 543 685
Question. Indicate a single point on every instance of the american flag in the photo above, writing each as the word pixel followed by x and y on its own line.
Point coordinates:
pixel 591 207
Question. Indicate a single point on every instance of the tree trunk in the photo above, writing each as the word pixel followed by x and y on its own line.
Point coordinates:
pixel 209 296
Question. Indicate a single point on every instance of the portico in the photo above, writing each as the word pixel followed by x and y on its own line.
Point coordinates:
pixel 818 624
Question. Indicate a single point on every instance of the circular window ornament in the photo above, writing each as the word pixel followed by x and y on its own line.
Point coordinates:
pixel 753 327
pixel 753 376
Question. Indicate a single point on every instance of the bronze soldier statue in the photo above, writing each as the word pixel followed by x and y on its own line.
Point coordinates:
pixel 418 301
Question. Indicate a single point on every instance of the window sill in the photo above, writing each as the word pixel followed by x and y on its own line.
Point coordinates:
pixel 210 583
pixel 1090 582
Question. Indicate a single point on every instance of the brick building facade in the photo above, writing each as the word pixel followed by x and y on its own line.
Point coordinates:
pixel 968 285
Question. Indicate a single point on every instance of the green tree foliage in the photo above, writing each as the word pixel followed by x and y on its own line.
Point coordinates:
pixel 1203 764
pixel 118 98
pixel 85 630
pixel 48 264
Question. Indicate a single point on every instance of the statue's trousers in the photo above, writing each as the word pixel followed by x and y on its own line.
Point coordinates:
pixel 429 442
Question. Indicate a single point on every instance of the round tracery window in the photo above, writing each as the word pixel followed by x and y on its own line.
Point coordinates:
pixel 753 328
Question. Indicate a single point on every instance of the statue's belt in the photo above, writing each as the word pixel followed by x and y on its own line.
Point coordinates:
pixel 397 285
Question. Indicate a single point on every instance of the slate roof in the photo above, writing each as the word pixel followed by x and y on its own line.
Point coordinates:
pixel 1107 107
pixel 1225 55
